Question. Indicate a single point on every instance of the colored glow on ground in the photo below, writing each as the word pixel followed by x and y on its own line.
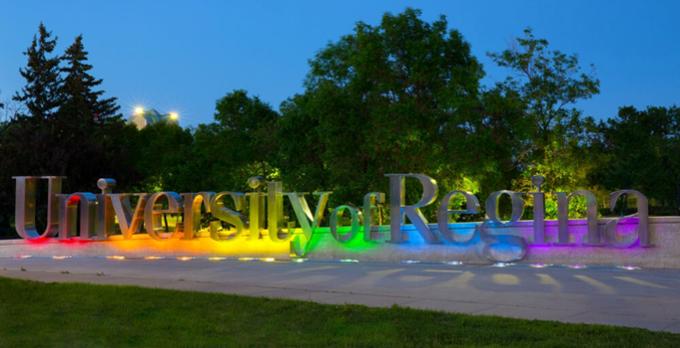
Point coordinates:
pixel 76 242
pixel 641 282
pixel 547 279
pixel 216 258
pixel 203 244
pixel 600 286
pixel 505 279
pixel 322 236
pixel 60 257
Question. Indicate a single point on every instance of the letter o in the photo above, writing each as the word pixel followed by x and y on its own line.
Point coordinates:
pixel 354 229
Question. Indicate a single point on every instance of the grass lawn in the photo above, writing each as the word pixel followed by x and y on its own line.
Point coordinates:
pixel 69 315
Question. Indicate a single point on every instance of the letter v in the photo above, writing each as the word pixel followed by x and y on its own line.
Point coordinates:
pixel 129 222
pixel 304 216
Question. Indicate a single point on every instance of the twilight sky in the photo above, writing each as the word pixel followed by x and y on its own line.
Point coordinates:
pixel 184 55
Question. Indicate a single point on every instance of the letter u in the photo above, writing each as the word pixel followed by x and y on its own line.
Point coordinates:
pixel 26 187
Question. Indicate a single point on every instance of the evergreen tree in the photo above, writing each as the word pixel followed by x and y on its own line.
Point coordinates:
pixel 85 121
pixel 41 93
pixel 82 102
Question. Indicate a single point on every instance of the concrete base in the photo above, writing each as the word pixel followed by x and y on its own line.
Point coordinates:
pixel 665 234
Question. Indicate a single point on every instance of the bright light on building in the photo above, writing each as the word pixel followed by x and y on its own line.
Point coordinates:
pixel 142 117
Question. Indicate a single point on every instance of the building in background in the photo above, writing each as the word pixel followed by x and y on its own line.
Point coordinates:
pixel 142 117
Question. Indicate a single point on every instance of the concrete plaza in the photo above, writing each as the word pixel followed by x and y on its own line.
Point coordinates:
pixel 646 298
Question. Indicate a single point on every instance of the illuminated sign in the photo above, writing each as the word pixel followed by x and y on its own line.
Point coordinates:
pixel 259 215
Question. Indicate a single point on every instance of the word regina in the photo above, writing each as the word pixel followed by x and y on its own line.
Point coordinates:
pixel 98 215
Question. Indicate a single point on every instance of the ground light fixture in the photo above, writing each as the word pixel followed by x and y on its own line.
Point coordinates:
pixel 453 263
pixel 502 264
pixel 116 257
pixel 153 258
pixel 629 268
pixel 410 262
pixel 540 265
pixel 348 261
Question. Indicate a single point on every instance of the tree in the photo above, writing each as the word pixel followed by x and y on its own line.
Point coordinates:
pixel 241 143
pixel 41 93
pixel 83 123
pixel 69 129
pixel 549 83
pixel 82 102
pixel 249 126
pixel 299 155
pixel 382 100
pixel 499 140
pixel 161 155
pixel 638 149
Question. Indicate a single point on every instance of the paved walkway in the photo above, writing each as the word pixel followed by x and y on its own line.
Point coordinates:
pixel 642 298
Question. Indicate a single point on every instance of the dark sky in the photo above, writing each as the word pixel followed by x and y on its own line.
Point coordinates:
pixel 184 55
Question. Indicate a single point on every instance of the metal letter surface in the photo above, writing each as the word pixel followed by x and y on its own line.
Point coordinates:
pixel 373 201
pixel 256 214
pixel 26 202
pixel 105 214
pixel 539 209
pixel 472 207
pixel 88 211
pixel 399 209
pixel 503 248
pixel 129 221
pixel 222 213
pixel 492 207
pixel 643 221
pixel 354 229
pixel 593 236
pixel 191 217
pixel 305 217
pixel 150 213
pixel 275 211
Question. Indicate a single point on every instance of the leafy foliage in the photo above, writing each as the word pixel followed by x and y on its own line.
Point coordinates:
pixel 639 149
pixel 381 100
